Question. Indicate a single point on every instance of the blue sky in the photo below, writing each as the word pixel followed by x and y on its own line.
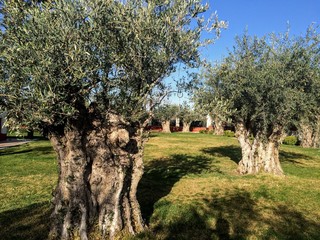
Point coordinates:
pixel 260 17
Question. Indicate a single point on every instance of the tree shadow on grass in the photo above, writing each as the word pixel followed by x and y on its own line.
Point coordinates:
pixel 12 151
pixel 291 224
pixel 234 215
pixel 161 174
pixel 218 217
pixel 28 223
pixel 231 151
pixel 292 157
pixel 30 150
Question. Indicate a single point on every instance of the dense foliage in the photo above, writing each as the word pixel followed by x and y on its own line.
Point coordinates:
pixel 61 59
pixel 270 82
pixel 166 112
pixel 188 114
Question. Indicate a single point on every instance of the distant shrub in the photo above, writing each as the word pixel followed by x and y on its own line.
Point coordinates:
pixel 228 133
pixel 290 140
pixel 203 131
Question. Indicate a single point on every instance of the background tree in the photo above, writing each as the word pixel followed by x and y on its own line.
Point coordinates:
pixel 266 81
pixel 187 115
pixel 208 100
pixel 83 72
pixel 309 124
pixel 309 132
pixel 165 113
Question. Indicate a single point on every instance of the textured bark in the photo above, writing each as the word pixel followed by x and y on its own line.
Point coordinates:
pixel 257 155
pixel 218 126
pixel 310 134
pixel 166 126
pixel 99 171
pixel 186 127
pixel 306 135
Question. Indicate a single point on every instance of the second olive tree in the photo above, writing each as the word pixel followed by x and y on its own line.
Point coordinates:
pixel 270 84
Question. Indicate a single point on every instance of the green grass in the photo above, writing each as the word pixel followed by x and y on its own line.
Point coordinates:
pixel 28 174
pixel 190 190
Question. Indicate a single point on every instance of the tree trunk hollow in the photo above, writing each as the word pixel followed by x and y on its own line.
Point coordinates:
pixel 99 171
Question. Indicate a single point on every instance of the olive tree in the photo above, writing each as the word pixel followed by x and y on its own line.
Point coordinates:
pixel 309 132
pixel 309 125
pixel 188 115
pixel 308 121
pixel 165 113
pixel 270 83
pixel 83 72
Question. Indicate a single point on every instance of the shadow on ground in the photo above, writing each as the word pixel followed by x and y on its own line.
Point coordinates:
pixel 292 157
pixel 161 174
pixel 229 214
pixel 233 152
pixel 29 223
pixel 34 150
pixel 235 215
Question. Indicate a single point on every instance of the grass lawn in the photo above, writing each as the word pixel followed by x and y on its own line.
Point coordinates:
pixel 190 190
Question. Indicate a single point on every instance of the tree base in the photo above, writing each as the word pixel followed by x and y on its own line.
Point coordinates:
pixel 100 170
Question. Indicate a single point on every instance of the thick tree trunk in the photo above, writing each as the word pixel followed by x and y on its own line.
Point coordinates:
pixel 99 171
pixel 186 127
pixel 218 126
pixel 310 134
pixel 306 132
pixel 258 156
pixel 166 126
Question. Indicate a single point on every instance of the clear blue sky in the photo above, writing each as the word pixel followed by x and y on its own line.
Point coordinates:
pixel 260 17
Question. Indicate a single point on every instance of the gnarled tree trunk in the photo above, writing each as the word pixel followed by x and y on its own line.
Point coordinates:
pixel 310 134
pixel 306 132
pixel 166 126
pixel 99 171
pixel 218 126
pixel 257 155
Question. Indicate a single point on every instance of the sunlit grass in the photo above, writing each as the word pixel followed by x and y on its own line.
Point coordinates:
pixel 190 190
pixel 196 193
pixel 28 174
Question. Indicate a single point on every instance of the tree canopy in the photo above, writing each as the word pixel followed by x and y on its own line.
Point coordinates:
pixel 166 112
pixel 61 59
pixel 271 81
